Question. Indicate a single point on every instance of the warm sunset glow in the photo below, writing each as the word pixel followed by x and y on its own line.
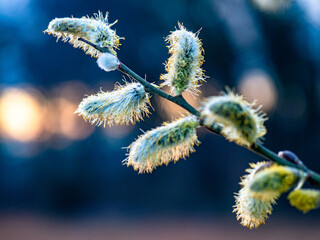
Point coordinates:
pixel 20 115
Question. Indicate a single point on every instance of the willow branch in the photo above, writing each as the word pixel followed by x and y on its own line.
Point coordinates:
pixel 313 177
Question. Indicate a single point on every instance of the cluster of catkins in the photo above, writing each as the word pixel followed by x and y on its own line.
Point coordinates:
pixel 239 120
pixel 263 185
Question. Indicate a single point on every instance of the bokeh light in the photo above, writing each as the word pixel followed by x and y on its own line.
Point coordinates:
pixel 257 85
pixel 21 117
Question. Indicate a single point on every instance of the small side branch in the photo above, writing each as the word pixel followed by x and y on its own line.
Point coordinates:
pixel 179 100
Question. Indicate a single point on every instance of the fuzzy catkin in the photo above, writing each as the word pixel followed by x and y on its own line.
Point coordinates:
pixel 164 144
pixel 183 68
pixel 261 187
pixel 271 182
pixel 96 30
pixel 240 122
pixel 126 104
pixel 251 211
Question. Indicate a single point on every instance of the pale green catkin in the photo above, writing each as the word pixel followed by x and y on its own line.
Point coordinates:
pixel 183 68
pixel 240 122
pixel 164 144
pixel 272 181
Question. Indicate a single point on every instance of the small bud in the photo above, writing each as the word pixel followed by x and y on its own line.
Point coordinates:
pixel 269 183
pixel 164 144
pixel 126 104
pixel 240 122
pixel 184 65
pixel 96 30
pixel 290 156
pixel 305 199
pixel 108 62
pixel 250 210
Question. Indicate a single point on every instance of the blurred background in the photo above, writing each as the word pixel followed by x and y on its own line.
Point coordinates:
pixel 61 178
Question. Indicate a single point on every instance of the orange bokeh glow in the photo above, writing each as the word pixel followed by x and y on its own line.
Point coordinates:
pixel 20 114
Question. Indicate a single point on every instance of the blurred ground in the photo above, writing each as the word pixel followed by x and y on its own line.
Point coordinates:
pixel 34 227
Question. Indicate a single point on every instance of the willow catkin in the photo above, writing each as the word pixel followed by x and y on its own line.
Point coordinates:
pixel 96 30
pixel 251 211
pixel 261 187
pixel 240 122
pixel 164 144
pixel 271 182
pixel 126 104
pixel 184 72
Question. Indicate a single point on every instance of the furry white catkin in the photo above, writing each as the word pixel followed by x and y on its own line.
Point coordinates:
pixel 184 72
pixel 164 144
pixel 126 104
pixel 96 30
